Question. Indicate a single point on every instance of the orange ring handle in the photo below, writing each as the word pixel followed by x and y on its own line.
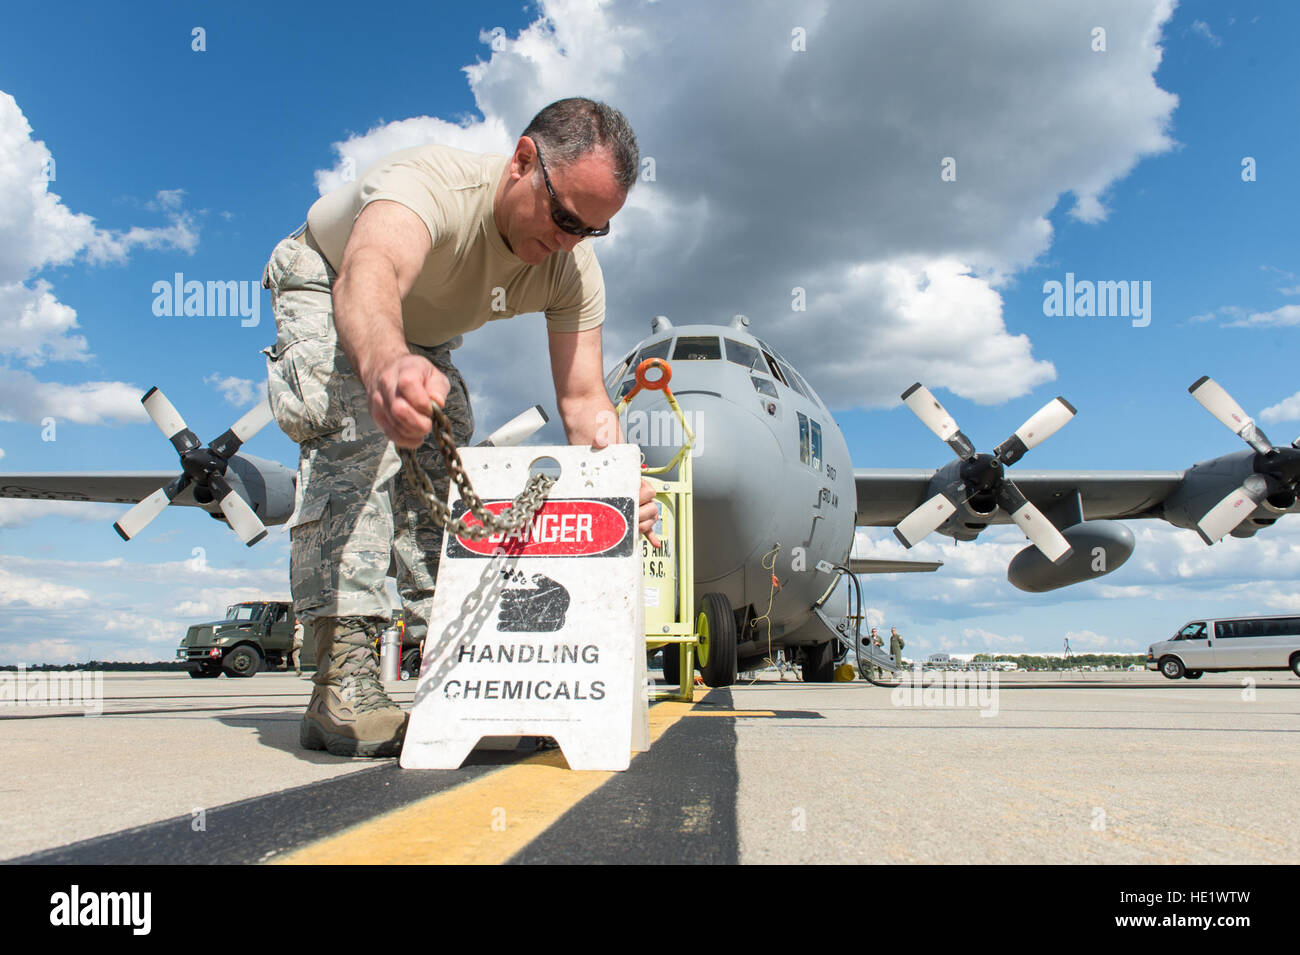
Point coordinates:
pixel 642 382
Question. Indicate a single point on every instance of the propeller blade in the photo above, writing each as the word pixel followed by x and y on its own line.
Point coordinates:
pixel 257 418
pixel 138 517
pixel 1214 399
pixel 933 416
pixel 918 525
pixel 243 520
pixel 1044 423
pixel 1222 519
pixel 1031 521
pixel 169 421
pixel 516 430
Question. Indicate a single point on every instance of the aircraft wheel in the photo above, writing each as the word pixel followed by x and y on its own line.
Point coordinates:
pixel 716 627
pixel 410 664
pixel 1171 668
pixel 673 664
pixel 819 663
pixel 242 662
pixel 1192 674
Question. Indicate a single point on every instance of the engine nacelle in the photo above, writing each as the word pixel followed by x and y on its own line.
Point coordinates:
pixel 1099 548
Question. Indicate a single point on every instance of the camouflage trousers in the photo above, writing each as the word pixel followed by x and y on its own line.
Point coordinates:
pixel 355 514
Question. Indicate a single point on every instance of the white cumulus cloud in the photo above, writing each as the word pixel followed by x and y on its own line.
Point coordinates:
pixel 24 398
pixel 237 391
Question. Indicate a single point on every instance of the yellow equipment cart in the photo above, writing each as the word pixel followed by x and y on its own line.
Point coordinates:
pixel 669 569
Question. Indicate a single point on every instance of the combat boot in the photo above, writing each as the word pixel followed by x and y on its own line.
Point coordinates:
pixel 349 713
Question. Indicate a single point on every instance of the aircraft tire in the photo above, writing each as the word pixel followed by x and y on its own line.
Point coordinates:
pixel 243 661
pixel 673 664
pixel 1171 667
pixel 819 663
pixel 410 664
pixel 717 628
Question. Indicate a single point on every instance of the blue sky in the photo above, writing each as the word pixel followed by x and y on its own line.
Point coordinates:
pixel 776 168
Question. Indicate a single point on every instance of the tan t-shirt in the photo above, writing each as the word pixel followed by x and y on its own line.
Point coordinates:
pixel 470 277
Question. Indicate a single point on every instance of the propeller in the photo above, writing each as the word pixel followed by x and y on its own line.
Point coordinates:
pixel 983 476
pixel 1276 470
pixel 205 468
pixel 517 430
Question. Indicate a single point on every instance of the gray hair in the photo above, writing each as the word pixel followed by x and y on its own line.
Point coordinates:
pixel 571 128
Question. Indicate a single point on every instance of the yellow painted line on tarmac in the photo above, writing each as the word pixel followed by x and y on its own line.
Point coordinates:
pixel 483 822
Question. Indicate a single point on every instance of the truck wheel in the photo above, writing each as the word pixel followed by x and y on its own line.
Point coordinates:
pixel 716 629
pixel 242 662
pixel 1171 667
pixel 819 663
pixel 1295 664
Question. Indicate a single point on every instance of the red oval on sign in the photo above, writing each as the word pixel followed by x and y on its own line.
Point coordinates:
pixel 559 529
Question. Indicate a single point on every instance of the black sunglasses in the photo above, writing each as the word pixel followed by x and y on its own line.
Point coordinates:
pixel 561 216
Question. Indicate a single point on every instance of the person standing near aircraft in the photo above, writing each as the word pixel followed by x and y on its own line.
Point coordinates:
pixel 370 297
pixel 896 648
pixel 295 648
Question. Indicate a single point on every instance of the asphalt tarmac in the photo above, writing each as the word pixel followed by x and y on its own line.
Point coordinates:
pixel 1107 768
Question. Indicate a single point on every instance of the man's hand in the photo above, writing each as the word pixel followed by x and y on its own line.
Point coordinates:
pixel 647 509
pixel 400 395
pixel 648 513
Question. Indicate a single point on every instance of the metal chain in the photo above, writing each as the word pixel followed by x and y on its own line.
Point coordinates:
pixel 511 519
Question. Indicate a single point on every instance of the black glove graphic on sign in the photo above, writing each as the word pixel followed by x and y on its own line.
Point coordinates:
pixel 539 608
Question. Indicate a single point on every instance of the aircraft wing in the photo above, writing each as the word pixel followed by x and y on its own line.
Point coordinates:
pixel 887 495
pixel 122 487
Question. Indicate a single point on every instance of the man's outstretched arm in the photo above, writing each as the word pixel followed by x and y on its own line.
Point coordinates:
pixel 383 258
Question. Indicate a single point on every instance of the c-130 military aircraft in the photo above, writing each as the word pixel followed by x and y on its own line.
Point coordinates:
pixel 777 499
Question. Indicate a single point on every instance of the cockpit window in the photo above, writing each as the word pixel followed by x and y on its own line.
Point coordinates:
pixel 653 350
pixel 697 349
pixel 810 442
pixel 772 367
pixel 763 386
pixel 617 371
pixel 791 379
pixel 743 354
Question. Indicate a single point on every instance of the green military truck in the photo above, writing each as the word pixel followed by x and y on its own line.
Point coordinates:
pixel 254 636
pixel 257 635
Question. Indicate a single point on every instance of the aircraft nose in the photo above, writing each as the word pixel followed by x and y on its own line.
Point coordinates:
pixel 738 471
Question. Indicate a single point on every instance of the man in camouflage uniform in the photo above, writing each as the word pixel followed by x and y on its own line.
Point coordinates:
pixel 429 243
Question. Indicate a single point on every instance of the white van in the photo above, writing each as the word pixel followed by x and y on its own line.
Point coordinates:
pixel 1237 643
